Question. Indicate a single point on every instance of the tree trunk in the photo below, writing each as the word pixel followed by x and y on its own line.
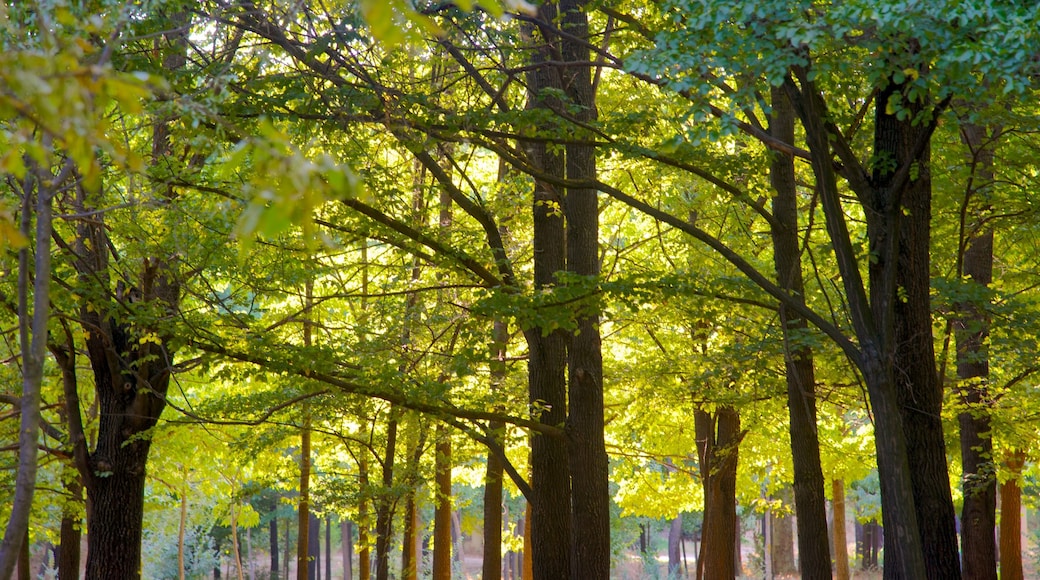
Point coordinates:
pixel 718 438
pixel 385 503
pixel 971 330
pixel 442 513
pixel 782 530
pixel 273 528
pixel 409 558
pixel 347 540
pixel 873 321
pixel 547 361
pixel 590 490
pixel 492 564
pixel 313 548
pixel 674 537
pixel 364 562
pixel 1010 519
pixel 810 501
pixel 841 550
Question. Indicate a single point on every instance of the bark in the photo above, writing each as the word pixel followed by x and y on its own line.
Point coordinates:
pixel 971 330
pixel 810 501
pixel 131 377
pixel 364 563
pixel 24 571
pixel 385 503
pixel 304 567
pixel 907 233
pixel 1011 519
pixel 347 539
pixel 547 361
pixel 313 566
pixel 889 326
pixel 718 438
pixel 841 550
pixel 273 528
pixel 33 342
pixel 409 556
pixel 587 453
pixel 527 566
pixel 182 525
pixel 783 537
pixel 492 564
pixel 442 543
pixel 328 548
pixel 674 538
pixel 70 537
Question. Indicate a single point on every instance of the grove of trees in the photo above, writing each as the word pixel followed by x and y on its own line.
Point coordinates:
pixel 568 273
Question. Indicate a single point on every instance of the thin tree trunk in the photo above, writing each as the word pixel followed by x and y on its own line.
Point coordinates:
pixel 32 330
pixel 303 505
pixel 384 506
pixel 364 562
pixel 492 564
pixel 841 550
pixel 183 524
pixel 1010 519
pixel 971 331
pixel 409 557
pixel 347 540
pixel 674 537
pixel 810 502
pixel 273 526
pixel 328 548
pixel 443 511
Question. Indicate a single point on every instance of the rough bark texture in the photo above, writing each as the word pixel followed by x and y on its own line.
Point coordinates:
pixel 313 566
pixel 783 538
pixel 873 320
pixel 547 361
pixel 971 330
pixel 1011 519
pixel 841 550
pixel 810 501
pixel 492 563
pixel 588 457
pixel 906 214
pixel 131 376
pixel 718 438
pixel 442 541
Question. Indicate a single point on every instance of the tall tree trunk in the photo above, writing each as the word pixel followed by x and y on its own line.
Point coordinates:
pixel 314 548
pixel 273 528
pixel 810 501
pixel 492 564
pixel 783 538
pixel 971 330
pixel 131 377
pixel 587 453
pixel 409 557
pixel 385 502
pixel 442 543
pixel 304 567
pixel 718 438
pixel 347 540
pixel 841 550
pixel 547 361
pixel 1010 519
pixel 364 562
pixel 674 537
pixel 919 390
